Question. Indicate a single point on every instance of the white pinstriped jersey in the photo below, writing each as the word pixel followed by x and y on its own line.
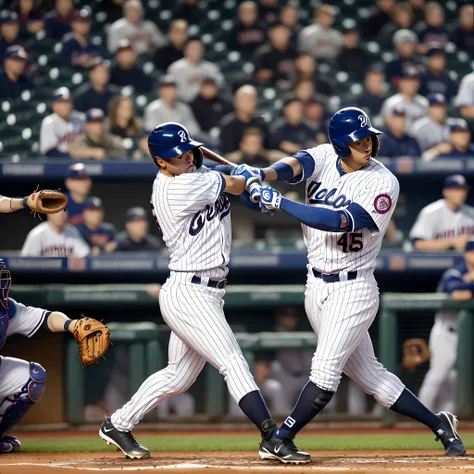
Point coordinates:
pixel 194 216
pixel 374 188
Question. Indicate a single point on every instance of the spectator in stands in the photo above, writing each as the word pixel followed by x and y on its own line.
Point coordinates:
pixel 168 109
pixel 248 32
pixel 135 237
pixel 78 183
pixel 373 95
pixel 465 97
pixel 402 18
pixel 290 16
pixel 290 134
pixel 319 39
pixel 58 21
pixel 112 8
pixel 395 141
pixel 447 223
pixel 268 10
pixel 187 10
pixel 304 89
pixel 77 50
pixel 306 69
pixel 98 234
pixel 405 43
pixel 435 79
pixel 415 105
pixel 55 238
pixel 125 71
pixel 244 116
pixel 314 115
pixel 144 35
pixel 460 140
pixel 463 34
pixel 209 106
pixel 94 143
pixel 98 93
pixel 192 69
pixel 174 50
pixel 433 29
pixel 252 152
pixel 381 15
pixel 275 61
pixel 418 8
pixel 122 120
pixel 352 58
pixel 13 80
pixel 431 131
pixel 30 18
pixel 59 129
pixel 9 29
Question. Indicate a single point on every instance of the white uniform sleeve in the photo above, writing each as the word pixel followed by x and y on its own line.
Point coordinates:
pixel 48 139
pixel 379 198
pixel 312 162
pixel 32 246
pixel 423 227
pixel 81 248
pixel 191 192
pixel 27 319
pixel 466 92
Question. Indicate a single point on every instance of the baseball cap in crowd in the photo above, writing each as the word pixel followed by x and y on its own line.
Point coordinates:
pixel 436 98
pixel 275 24
pixel 289 99
pixel 410 72
pixel 457 125
pixel 93 202
pixel 209 80
pixel 62 93
pixel 10 18
pixel 455 181
pixel 398 111
pixel 135 213
pixel 469 245
pixel 434 48
pixel 167 80
pixel 94 115
pixel 123 45
pixel 16 51
pixel 77 171
pixel 81 15
pixel 404 36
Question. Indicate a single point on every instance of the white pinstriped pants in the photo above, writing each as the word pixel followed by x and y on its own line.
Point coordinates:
pixel 200 334
pixel 340 314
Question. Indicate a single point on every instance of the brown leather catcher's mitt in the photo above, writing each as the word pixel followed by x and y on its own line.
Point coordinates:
pixel 47 201
pixel 93 338
pixel 415 352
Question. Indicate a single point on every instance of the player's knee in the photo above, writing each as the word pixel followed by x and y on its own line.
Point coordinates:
pixel 179 382
pixel 327 380
pixel 234 363
pixel 36 384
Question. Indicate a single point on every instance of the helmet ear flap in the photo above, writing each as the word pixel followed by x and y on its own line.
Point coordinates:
pixel 341 149
pixel 375 145
pixel 198 157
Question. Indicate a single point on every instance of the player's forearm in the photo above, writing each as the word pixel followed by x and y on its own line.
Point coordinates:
pixel 461 295
pixel 467 111
pixel 278 173
pixel 441 244
pixel 8 205
pixel 57 322
pixel 234 184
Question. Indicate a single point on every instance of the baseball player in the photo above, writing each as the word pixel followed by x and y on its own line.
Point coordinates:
pixel 22 383
pixel 193 211
pixel 439 385
pixel 350 198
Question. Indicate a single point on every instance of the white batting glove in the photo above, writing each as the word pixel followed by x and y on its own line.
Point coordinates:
pixel 270 198
pixel 252 186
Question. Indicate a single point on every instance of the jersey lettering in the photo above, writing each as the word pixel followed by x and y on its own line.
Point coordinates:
pixel 324 196
pixel 221 208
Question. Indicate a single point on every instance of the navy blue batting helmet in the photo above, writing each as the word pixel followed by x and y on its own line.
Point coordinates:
pixel 349 125
pixel 171 139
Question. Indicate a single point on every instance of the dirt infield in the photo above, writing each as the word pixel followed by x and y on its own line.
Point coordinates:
pixel 384 462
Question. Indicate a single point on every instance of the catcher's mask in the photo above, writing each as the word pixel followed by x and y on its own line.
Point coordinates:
pixel 5 284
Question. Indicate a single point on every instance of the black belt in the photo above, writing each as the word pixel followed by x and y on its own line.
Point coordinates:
pixel 212 283
pixel 333 277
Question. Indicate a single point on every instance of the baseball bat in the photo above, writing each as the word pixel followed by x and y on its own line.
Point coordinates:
pixel 217 158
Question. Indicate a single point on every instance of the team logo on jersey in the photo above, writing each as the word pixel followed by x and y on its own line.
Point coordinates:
pixel 220 208
pixel 318 195
pixel 383 203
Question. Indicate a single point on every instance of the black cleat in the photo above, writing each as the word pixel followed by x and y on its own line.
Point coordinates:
pixel 448 435
pixel 283 449
pixel 124 440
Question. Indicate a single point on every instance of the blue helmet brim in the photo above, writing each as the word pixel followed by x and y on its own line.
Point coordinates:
pixel 180 149
pixel 363 133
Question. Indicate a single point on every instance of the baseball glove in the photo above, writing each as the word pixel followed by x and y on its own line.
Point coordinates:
pixel 93 338
pixel 46 201
pixel 415 352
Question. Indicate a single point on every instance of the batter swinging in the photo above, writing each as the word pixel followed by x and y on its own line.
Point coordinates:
pixel 194 215
pixel 350 198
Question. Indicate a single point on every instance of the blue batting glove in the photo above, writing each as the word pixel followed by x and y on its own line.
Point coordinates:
pixel 247 172
pixel 270 198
